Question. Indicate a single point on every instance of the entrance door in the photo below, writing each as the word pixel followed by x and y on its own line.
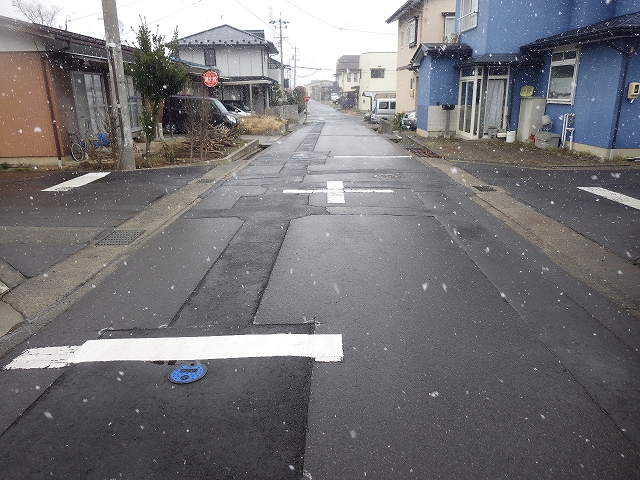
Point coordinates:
pixel 482 101
pixel 469 102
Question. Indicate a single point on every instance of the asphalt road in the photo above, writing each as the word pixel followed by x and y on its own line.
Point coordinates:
pixel 556 193
pixel 466 352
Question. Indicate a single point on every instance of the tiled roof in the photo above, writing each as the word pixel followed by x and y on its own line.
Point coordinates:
pixel 227 35
pixel 624 26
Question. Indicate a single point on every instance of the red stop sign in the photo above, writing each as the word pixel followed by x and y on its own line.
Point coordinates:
pixel 307 98
pixel 210 78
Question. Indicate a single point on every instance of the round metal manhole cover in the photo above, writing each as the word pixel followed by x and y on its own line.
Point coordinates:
pixel 187 373
pixel 388 175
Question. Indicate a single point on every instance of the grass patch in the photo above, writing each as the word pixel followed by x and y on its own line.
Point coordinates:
pixel 261 125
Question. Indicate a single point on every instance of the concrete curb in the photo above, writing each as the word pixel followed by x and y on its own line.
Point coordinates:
pixel 30 305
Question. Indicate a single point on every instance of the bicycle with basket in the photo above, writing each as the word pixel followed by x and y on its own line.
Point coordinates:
pixel 80 145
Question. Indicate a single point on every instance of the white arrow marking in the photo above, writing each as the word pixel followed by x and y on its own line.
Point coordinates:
pixel 614 196
pixel 335 191
pixel 76 182
pixel 324 348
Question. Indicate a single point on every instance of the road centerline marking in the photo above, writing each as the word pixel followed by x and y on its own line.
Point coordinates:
pixel 77 182
pixel 323 348
pixel 335 191
pixel 613 196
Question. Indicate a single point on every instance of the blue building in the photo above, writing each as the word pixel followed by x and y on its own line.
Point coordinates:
pixel 566 66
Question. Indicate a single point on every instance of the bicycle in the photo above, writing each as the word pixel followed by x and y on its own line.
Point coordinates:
pixel 79 147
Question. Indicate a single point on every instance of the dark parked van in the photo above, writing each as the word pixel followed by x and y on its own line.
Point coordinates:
pixel 179 108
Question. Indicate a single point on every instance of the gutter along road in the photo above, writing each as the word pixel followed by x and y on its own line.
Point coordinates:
pixel 357 312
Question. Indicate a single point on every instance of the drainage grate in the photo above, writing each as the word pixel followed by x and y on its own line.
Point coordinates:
pixel 388 176
pixel 423 152
pixel 484 188
pixel 120 237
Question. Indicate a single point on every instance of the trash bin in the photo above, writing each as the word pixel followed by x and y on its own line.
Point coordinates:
pixel 547 140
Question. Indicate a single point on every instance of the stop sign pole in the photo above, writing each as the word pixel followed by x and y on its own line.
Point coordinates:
pixel 306 104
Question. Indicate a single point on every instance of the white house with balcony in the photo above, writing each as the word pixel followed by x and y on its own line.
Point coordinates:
pixel 243 59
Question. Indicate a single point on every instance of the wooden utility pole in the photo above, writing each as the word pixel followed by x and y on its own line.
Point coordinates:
pixel 117 83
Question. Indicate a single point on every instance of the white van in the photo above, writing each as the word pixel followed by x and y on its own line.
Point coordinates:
pixel 383 108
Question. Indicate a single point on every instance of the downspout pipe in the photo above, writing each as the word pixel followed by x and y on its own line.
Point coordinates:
pixel 614 139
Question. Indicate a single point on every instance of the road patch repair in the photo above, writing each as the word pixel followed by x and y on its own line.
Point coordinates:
pixel 322 348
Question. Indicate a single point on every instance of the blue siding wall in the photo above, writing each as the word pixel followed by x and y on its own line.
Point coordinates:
pixel 588 12
pixel 629 125
pixel 597 93
pixel 505 25
pixel 438 84
pixel 623 7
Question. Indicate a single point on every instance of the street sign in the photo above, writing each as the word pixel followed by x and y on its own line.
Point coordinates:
pixel 307 98
pixel 210 78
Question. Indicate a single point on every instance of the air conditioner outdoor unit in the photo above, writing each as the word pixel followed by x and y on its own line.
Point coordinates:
pixel 451 38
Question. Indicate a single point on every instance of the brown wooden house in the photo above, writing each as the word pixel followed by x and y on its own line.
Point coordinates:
pixel 51 82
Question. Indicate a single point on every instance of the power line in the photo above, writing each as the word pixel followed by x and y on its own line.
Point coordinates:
pixel 333 26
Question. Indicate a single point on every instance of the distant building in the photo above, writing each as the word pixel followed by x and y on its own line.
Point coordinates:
pixel 348 73
pixel 419 21
pixel 243 59
pixel 378 77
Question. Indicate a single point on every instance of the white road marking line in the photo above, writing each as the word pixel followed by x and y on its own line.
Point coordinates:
pixel 614 196
pixel 323 348
pixel 335 191
pixel 77 182
pixel 373 156
pixel 45 357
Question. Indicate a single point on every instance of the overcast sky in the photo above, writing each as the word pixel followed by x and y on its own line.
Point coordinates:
pixel 321 31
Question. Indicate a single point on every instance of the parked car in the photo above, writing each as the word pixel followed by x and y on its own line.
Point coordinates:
pixel 237 110
pixel 384 108
pixel 410 120
pixel 175 116
pixel 334 97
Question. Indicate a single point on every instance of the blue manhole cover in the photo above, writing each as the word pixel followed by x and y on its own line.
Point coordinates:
pixel 187 373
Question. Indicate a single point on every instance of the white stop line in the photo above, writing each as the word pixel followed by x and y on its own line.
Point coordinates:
pixel 323 348
pixel 614 196
pixel 335 191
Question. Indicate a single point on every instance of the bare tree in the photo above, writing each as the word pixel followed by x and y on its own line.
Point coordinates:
pixel 36 12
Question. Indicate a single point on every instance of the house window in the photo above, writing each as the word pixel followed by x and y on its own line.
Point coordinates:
pixel 449 27
pixel 412 32
pixel 348 77
pixel 562 76
pixel 355 76
pixel 210 57
pixel 91 102
pixel 468 15
pixel 377 73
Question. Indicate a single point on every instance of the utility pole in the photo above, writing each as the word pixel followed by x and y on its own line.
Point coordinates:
pixel 281 22
pixel 295 65
pixel 118 85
